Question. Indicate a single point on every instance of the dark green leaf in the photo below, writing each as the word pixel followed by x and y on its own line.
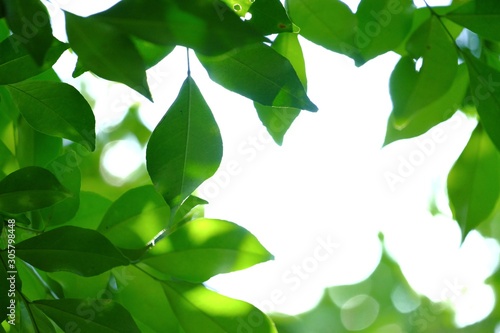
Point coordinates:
pixel 278 120
pixel 314 17
pixel 412 90
pixel 135 218
pixel 185 148
pixel 198 308
pixel 81 251
pixel 152 53
pixel 30 23
pixel 187 206
pixel 16 64
pixel 269 17
pixel 481 17
pixel 261 74
pixel 484 84
pixel 382 26
pixel 28 189
pixel 429 116
pixel 208 27
pixel 107 52
pixel 69 175
pixel 193 256
pixel 56 109
pixel 474 182
pixel 88 316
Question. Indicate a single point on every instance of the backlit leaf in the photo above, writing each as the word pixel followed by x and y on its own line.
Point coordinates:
pixel 28 189
pixel 196 256
pixel 81 251
pixel 481 17
pixel 185 148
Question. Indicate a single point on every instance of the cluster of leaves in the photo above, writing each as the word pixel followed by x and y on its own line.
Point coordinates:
pixel 85 260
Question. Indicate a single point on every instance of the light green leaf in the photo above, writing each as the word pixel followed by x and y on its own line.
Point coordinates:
pixel 429 116
pixel 315 19
pixel 88 315
pixel 412 90
pixel 186 208
pixel 278 120
pixel 481 17
pixel 91 210
pixel 208 27
pixel 382 26
pixel 30 23
pixel 107 52
pixel 17 64
pixel 196 256
pixel 474 182
pixel 185 148
pixel 56 109
pixel 484 84
pixel 28 189
pixel 81 251
pixel 75 286
pixel 261 74
pixel 201 310
pixel 135 218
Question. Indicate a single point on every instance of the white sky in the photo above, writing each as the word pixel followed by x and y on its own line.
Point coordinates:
pixel 325 185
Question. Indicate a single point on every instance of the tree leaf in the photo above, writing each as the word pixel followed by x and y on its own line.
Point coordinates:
pixel 431 115
pixel 199 309
pixel 278 120
pixel 382 26
pixel 195 257
pixel 107 52
pixel 474 182
pixel 187 206
pixel 314 17
pixel 269 17
pixel 17 64
pixel 30 23
pixel 185 148
pixel 412 90
pixel 81 251
pixel 261 74
pixel 484 84
pixel 56 109
pixel 90 315
pixel 28 189
pixel 208 27
pixel 481 17
pixel 135 218
pixel 69 175
pixel 91 210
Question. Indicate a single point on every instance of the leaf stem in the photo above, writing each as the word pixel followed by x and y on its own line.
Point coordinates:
pixel 188 63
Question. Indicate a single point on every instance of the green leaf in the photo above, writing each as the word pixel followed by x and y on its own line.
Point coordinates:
pixel 34 148
pixel 91 211
pixel 30 23
pixel 382 26
pixel 75 286
pixel 412 90
pixel 481 17
pixel 429 116
pixel 474 182
pixel 81 251
pixel 135 218
pixel 187 206
pixel 69 175
pixel 16 64
pixel 185 148
pixel 278 120
pixel 208 27
pixel 484 84
pixel 152 53
pixel 314 17
pixel 133 284
pixel 196 256
pixel 107 52
pixel 261 74
pixel 199 309
pixel 88 316
pixel 28 189
pixel 56 109
pixel 269 17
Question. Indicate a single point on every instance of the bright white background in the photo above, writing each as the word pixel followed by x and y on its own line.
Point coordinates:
pixel 327 184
